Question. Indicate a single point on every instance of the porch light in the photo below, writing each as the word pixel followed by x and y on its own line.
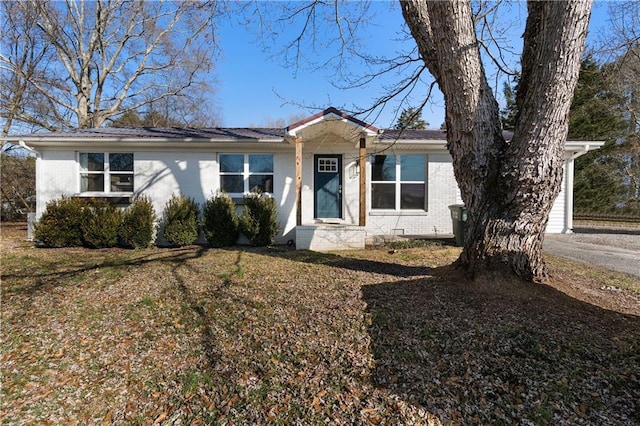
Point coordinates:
pixel 354 170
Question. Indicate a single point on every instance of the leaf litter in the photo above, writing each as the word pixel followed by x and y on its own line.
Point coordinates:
pixel 261 336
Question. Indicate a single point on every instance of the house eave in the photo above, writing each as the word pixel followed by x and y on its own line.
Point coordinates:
pixel 579 148
pixel 44 142
pixel 331 115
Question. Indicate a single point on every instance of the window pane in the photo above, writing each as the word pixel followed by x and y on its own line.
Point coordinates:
pixel 232 163
pixel 328 165
pixel 412 167
pixel 412 196
pixel 383 195
pixel 121 183
pixel 261 183
pixel 119 162
pixel 232 183
pixel 91 161
pixel 261 163
pixel 383 168
pixel 92 182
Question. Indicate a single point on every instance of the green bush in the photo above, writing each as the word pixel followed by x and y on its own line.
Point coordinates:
pixel 61 223
pixel 136 229
pixel 259 220
pixel 101 224
pixel 220 221
pixel 180 221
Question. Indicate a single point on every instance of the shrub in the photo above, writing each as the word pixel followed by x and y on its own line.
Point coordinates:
pixel 220 221
pixel 136 229
pixel 101 224
pixel 259 220
pixel 180 220
pixel 61 223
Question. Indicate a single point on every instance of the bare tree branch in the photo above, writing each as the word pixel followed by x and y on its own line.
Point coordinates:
pixel 113 56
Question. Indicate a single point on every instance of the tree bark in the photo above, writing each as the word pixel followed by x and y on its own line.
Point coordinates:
pixel 508 187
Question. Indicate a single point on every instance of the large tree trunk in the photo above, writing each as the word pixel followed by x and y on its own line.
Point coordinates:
pixel 508 187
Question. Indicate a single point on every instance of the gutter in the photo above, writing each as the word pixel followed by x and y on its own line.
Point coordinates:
pixel 586 148
pixel 27 147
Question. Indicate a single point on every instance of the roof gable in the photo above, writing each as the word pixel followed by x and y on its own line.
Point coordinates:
pixel 328 114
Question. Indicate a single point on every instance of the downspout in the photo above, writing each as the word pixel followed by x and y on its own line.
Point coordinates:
pixel 568 202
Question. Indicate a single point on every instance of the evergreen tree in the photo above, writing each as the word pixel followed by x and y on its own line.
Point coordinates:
pixel 606 180
pixel 410 118
pixel 508 114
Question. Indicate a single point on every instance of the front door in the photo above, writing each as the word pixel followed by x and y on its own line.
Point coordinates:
pixel 328 186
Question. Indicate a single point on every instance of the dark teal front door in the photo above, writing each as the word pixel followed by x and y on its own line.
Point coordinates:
pixel 328 186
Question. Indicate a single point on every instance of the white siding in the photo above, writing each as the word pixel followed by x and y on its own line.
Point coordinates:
pixel 284 192
pixel 159 175
pixel 557 216
pixel 56 175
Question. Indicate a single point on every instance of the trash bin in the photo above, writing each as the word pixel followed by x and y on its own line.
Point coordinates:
pixel 458 217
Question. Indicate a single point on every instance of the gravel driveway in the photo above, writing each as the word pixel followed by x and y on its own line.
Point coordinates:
pixel 618 252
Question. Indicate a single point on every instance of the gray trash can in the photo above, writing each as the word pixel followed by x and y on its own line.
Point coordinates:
pixel 458 217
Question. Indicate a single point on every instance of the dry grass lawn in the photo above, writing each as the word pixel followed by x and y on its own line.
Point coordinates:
pixel 271 336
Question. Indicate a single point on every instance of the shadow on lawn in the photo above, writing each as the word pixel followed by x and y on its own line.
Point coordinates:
pixel 350 263
pixel 113 263
pixel 58 273
pixel 494 351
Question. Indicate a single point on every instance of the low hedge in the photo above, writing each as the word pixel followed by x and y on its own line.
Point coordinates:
pixel 180 221
pixel 220 221
pixel 100 225
pixel 136 229
pixel 259 219
pixel 61 223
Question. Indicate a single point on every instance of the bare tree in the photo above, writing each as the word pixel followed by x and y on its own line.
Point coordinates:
pixel 111 57
pixel 24 59
pixel 621 44
pixel 18 189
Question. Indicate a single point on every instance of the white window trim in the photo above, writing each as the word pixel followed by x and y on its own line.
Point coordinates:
pixel 106 173
pixel 245 172
pixel 398 187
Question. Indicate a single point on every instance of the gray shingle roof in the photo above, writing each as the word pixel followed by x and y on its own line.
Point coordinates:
pixel 414 134
pixel 219 133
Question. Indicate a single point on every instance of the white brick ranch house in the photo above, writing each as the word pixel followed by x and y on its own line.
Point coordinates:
pixel 336 180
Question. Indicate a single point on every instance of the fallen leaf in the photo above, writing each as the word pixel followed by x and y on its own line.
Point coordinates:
pixel 108 417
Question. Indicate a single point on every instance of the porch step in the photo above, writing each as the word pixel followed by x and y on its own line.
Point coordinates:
pixel 329 237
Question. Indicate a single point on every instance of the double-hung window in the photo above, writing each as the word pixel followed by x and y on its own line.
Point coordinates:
pixel 244 173
pixel 398 182
pixel 106 172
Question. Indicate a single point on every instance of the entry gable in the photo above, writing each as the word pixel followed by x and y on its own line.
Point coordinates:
pixel 330 121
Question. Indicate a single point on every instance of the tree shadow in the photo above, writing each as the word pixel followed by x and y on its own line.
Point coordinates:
pixel 79 264
pixel 498 351
pixel 337 261
pixel 55 274
pixel 195 303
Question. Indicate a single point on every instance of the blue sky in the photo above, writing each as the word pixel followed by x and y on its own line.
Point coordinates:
pixel 255 88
